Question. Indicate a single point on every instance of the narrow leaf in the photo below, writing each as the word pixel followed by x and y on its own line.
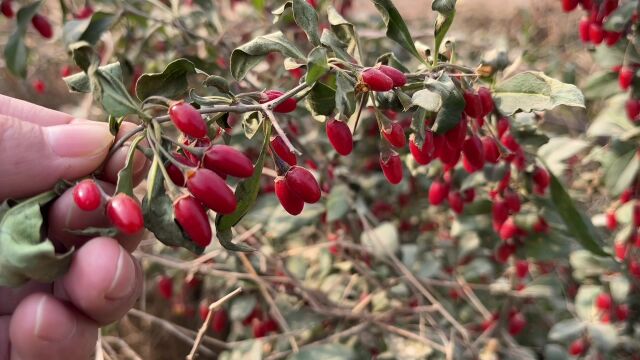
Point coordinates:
pixel 317 65
pixel 396 28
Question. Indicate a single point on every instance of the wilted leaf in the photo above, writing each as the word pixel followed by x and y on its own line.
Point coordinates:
pixel 79 82
pixel 171 82
pixel 125 175
pixel 245 57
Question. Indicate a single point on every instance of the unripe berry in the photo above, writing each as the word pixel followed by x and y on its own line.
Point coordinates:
pixel 286 106
pixel 569 5
pixel 391 167
pixel 6 8
pixel 376 80
pixel 188 120
pixel 86 195
pixel 193 219
pixel 473 151
pixel 603 302
pixel 208 187
pixel 625 77
pixel 43 26
pixel 219 321
pixel 517 323
pixel 509 229
pixel 395 135
pixel 473 106
pixel 227 160
pixel 424 155
pixel 455 202
pixel 491 151
pixel 583 29
pixel 596 33
pixel 165 287
pixel 633 109
pixel 486 100
pixel 282 150
pixel 340 136
pixel 303 184
pixel 578 347
pixel 522 268
pixel 438 192
pixel 289 201
pixel 398 78
pixel 125 214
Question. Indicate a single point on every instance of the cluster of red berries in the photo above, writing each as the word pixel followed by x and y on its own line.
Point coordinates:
pixel 622 248
pixel 123 211
pixel 608 310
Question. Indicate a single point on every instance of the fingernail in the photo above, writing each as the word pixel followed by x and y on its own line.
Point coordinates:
pixel 54 322
pixel 79 140
pixel 124 279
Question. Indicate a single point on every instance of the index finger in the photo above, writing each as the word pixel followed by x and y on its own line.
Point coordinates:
pixel 32 113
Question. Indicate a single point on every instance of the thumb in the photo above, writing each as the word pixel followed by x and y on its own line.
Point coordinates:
pixel 34 158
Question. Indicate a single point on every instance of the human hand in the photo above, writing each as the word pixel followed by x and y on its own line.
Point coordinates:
pixel 60 320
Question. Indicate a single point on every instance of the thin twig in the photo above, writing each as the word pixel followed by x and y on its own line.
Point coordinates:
pixel 205 324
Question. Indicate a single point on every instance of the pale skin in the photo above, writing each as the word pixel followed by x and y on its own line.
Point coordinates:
pixel 38 147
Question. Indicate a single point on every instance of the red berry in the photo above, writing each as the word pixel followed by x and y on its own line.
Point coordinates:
pixel 208 187
pixel 473 151
pixel 125 213
pixel 622 312
pixel 398 78
pixel 376 80
pixel 188 120
pixel 286 106
pixel 84 13
pixel 596 34
pixel 289 201
pixel 227 160
pixel 620 249
pixel 512 200
pixel 175 174
pixel 517 323
pixel 577 347
pixel 258 329
pixel 603 302
pixel 522 268
pixel 438 192
pixel 583 29
pixel 473 105
pixel 634 269
pixel 65 71
pixel 509 142
pixel 340 136
pixel 569 5
pixel 282 150
pixel 395 135
pixel 86 195
pixel 504 251
pixel 612 38
pixel 303 184
pixel 219 321
pixel 625 77
pixel 391 167
pixel 633 109
pixel 455 137
pixel 491 151
pixel 6 8
pixel 636 214
pixel 256 313
pixel 203 311
pixel 455 202
pixel 541 178
pixel 42 25
pixel 509 229
pixel 541 226
pixel 500 212
pixel 424 155
pixel 486 100
pixel 469 195
pixel 39 86
pixel 165 287
pixel 193 219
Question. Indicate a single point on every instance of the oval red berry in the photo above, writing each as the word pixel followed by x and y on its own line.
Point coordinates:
pixel 289 201
pixel 227 160
pixel 399 79
pixel 340 136
pixel 392 168
pixel 208 187
pixel 193 220
pixel 303 184
pixel 86 195
pixel 424 155
pixel 42 25
pixel 188 120
pixel 282 150
pixel 376 80
pixel 395 135
pixel 286 106
pixel 125 214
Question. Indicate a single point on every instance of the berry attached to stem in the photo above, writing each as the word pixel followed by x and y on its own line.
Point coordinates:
pixel 193 219
pixel 125 213
pixel 188 120
pixel 87 195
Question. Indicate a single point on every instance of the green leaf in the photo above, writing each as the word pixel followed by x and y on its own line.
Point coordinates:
pixel 89 30
pixel 79 82
pixel 418 125
pixel 453 103
pixel 225 237
pixel 345 31
pixel 396 28
pixel 333 351
pixel 15 51
pixel 114 124
pixel 306 17
pixel 24 254
pixel 125 175
pixel 157 209
pixel 621 170
pixel 612 120
pixel 566 330
pixel 95 231
pixel 602 85
pixel 321 99
pixel 427 99
pixel 338 202
pixel 345 95
pixel 330 40
pixel 621 17
pixel 444 6
pixel 446 13
pixel 245 57
pixel 317 64
pixel 218 82
pixel 381 240
pixel 584 301
pixel 577 224
pixel 172 82
pixel 246 191
pixel 534 91
pixel 113 95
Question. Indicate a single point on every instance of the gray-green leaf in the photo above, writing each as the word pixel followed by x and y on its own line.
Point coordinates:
pixel 245 57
